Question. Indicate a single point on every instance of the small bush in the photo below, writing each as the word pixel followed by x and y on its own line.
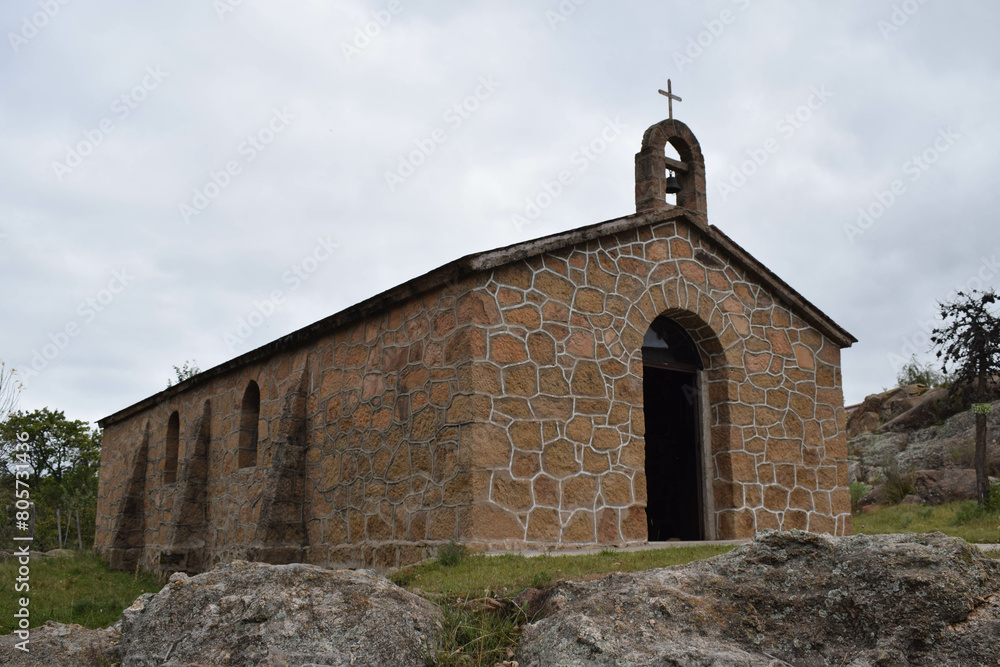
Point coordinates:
pixel 541 580
pixel 858 490
pixel 897 484
pixel 474 638
pixel 968 512
pixel 914 372
pixel 451 554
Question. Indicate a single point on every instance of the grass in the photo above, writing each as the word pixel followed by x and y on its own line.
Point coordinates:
pixel 476 576
pixel 77 589
pixel 958 519
pixel 478 635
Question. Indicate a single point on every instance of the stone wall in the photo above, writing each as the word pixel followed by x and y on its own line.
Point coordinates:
pixel 502 408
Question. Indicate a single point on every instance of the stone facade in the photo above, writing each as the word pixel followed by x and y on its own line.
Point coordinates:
pixel 497 401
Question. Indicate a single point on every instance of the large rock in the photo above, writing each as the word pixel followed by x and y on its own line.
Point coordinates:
pixel 887 600
pixel 944 486
pixel 878 409
pixel 949 445
pixel 276 615
pixel 66 645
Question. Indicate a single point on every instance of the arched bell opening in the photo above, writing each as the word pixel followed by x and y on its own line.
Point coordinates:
pixel 677 507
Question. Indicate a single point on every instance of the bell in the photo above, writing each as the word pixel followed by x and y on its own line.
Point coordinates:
pixel 671 187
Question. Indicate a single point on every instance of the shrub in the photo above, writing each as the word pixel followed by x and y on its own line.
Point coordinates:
pixel 858 490
pixel 914 372
pixel 451 554
pixel 897 484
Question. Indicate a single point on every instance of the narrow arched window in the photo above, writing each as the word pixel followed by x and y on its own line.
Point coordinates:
pixel 249 417
pixel 173 445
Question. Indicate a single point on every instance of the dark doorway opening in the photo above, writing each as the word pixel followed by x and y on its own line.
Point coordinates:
pixel 673 449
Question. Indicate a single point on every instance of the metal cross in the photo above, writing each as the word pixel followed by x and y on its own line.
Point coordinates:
pixel 670 98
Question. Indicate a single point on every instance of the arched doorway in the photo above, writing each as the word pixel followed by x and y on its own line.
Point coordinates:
pixel 671 407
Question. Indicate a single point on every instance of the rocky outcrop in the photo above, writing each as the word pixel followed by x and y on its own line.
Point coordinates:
pixel 949 445
pixel 936 487
pixel 911 406
pixel 66 645
pixel 258 614
pixel 787 598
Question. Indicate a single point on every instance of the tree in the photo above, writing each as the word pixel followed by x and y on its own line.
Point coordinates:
pixel 10 388
pixel 914 372
pixel 970 342
pixel 189 369
pixel 56 446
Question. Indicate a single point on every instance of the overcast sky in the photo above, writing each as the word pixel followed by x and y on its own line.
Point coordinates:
pixel 168 168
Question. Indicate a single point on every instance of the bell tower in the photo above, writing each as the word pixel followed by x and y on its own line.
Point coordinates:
pixel 687 175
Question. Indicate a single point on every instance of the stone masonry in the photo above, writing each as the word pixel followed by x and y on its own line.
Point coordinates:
pixel 496 401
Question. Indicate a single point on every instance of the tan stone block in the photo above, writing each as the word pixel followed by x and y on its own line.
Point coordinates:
pixel 507 349
pixel 518 408
pixel 775 498
pixel 735 524
pixel 378 528
pixel 548 407
pixel 727 437
pixel 741 415
pixel 826 477
pixel 509 297
pixel 580 528
pixel 552 381
pixel 582 344
pixel 589 300
pixel 755 445
pixel 579 429
pixel 836 447
pixel 559 459
pixel 520 380
pixel 400 466
pixel 528 316
pixel 478 308
pixel 747 393
pixel 765 473
pixel 423 425
pixel 632 454
pixel 800 499
pixel 736 466
pixel 591 407
pixel 819 523
pixel 526 435
pixel 490 523
pixel 620 413
pixel 784 474
pixel 578 491
pixel 766 520
pixel 543 525
pixel 488 446
pixel 795 520
pixel 841 499
pixel 804 357
pixel 784 450
pixel 546 491
pixel 727 494
pixel 606 438
pixel 594 462
pixel 805 477
pixel 553 286
pixel 607 526
pixel 541 348
pixel 821 502
pixel 526 464
pixel 442 524
pixel 616 489
pixel 512 494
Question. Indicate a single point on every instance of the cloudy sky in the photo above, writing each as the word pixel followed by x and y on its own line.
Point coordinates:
pixel 168 169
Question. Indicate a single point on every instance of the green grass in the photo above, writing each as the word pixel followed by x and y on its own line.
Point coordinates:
pixel 78 589
pixel 958 519
pixel 481 636
pixel 476 576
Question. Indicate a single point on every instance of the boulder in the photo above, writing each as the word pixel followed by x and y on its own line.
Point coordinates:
pixel 943 486
pixel 66 645
pixel 258 614
pixel 787 598
pixel 923 412
pixel 873 496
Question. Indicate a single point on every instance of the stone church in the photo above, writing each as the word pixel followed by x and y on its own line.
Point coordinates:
pixel 636 380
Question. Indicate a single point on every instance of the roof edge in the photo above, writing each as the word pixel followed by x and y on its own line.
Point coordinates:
pixel 484 261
